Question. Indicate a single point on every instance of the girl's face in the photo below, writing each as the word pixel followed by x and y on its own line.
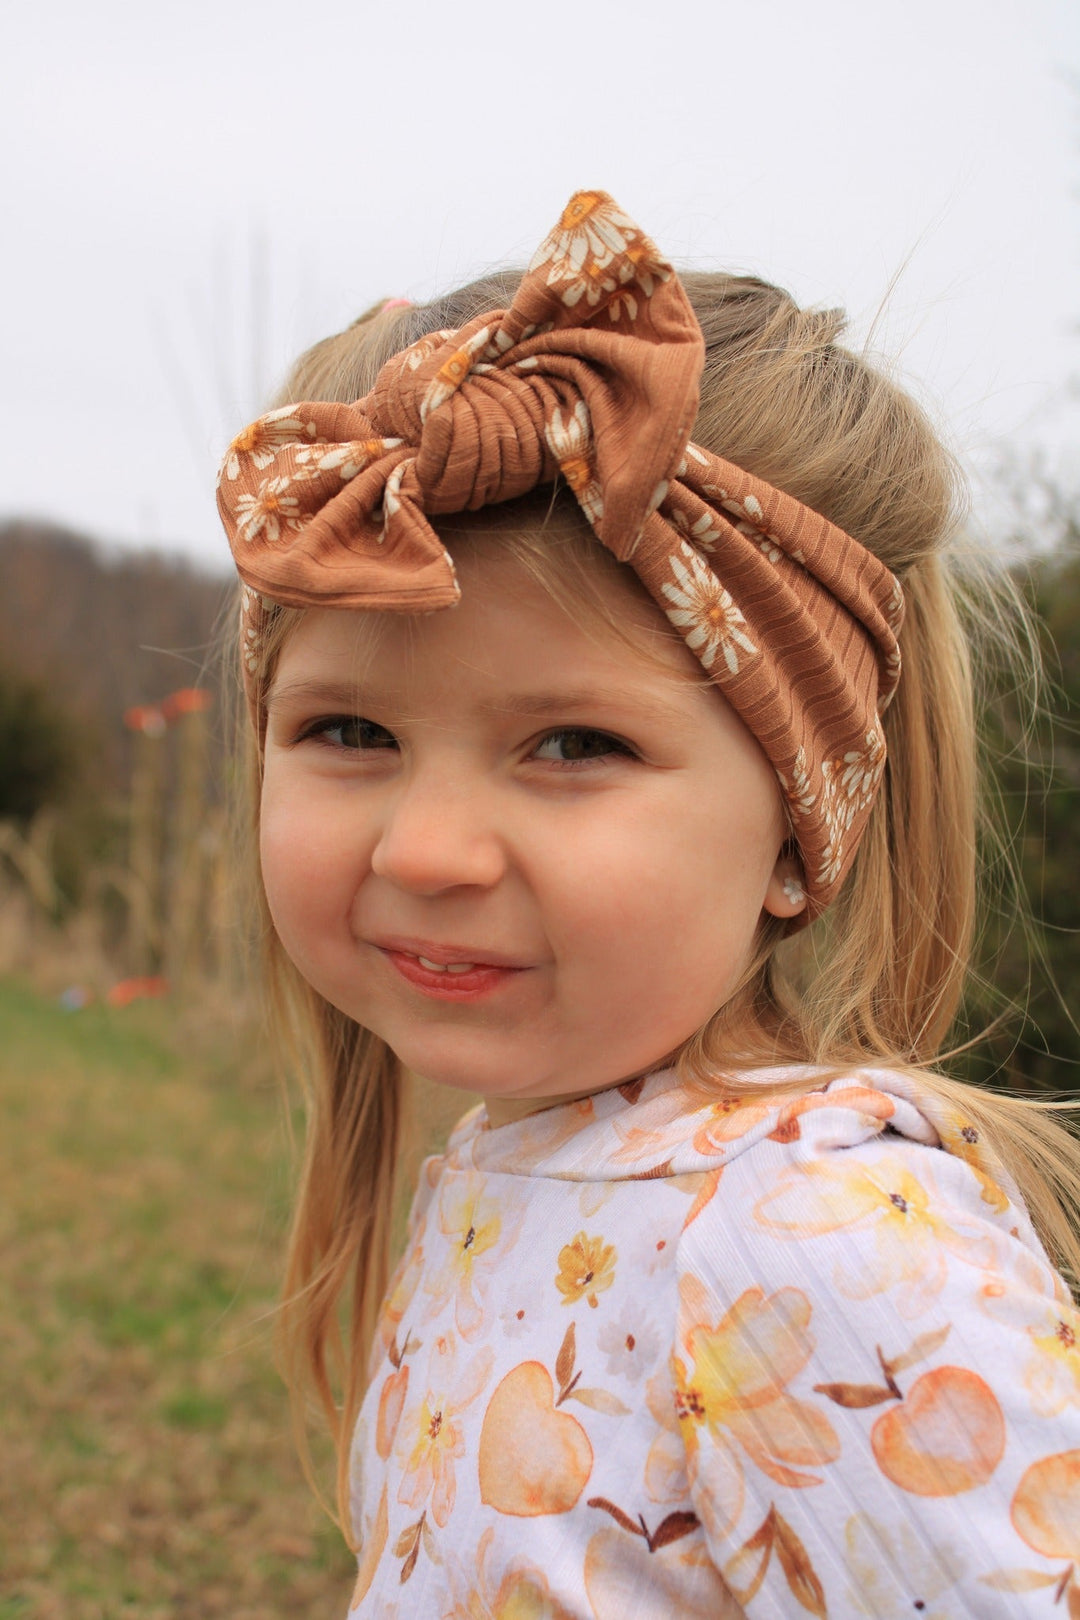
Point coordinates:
pixel 530 859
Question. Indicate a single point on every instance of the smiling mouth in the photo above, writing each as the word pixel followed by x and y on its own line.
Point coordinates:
pixel 446 967
pixel 450 958
pixel 455 978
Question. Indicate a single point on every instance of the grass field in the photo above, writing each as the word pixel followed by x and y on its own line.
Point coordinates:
pixel 148 1471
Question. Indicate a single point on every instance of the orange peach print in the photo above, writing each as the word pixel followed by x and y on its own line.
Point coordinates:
pixel 947 1436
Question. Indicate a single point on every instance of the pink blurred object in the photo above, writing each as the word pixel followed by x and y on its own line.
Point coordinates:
pixel 147 718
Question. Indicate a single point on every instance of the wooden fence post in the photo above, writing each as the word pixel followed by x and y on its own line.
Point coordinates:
pixel 148 722
pixel 186 920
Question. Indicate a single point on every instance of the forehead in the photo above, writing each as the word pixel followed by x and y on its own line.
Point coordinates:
pixel 522 615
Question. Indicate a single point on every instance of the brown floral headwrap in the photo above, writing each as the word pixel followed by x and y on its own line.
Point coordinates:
pixel 592 373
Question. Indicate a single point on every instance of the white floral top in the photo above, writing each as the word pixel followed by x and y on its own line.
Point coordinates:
pixel 648 1356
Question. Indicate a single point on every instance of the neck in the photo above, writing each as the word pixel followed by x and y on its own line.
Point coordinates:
pixel 507 1110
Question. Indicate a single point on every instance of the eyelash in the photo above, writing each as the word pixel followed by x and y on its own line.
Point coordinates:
pixel 614 746
pixel 322 730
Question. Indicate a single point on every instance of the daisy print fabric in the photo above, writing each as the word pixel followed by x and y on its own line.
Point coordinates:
pixel 591 377
pixel 770 1356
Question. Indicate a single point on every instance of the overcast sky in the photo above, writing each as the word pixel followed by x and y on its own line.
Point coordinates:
pixel 194 192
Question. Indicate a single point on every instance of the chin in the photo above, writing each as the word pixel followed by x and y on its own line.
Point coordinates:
pixel 457 1071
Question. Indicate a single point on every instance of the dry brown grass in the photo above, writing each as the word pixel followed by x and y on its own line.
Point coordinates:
pixel 148 1470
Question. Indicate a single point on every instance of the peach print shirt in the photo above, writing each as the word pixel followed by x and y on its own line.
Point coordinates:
pixel 649 1356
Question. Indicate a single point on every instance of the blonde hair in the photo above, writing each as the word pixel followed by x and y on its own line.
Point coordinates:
pixel 879 979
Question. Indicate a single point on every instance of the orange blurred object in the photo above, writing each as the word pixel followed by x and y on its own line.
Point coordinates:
pixel 144 989
pixel 189 700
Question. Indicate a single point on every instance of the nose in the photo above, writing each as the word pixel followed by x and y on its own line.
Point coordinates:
pixel 438 833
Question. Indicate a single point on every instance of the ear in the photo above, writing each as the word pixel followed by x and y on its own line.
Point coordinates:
pixel 786 893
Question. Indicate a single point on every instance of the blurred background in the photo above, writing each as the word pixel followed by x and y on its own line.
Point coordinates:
pixel 192 194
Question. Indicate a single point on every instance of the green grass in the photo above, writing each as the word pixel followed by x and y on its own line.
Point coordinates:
pixel 148 1470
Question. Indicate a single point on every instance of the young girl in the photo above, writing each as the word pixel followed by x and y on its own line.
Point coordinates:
pixel 615 752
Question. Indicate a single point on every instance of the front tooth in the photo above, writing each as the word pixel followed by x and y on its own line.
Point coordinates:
pixel 434 967
pixel 460 967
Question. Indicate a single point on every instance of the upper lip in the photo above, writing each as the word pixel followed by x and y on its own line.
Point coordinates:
pixel 479 955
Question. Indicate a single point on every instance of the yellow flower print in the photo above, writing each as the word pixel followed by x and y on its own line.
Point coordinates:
pixel 704 611
pixel 473 1225
pixel 453 372
pixel 844 788
pixel 261 440
pixel 1055 1380
pixel 570 442
pixel 647 268
pixel 347 460
pixel 590 234
pixel 586 1268
pixel 268 511
pixel 1052 1371
pixel 911 1241
pixel 256 613
pixel 731 1383
pixel 964 1139
pixel 701 530
pixel 523 1592
pixel 595 251
pixel 430 1439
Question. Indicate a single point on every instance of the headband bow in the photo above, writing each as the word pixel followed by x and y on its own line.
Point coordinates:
pixel 591 374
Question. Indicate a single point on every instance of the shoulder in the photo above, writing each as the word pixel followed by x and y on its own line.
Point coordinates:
pixel 874 1360
pixel 868 1177
pixel 776 1117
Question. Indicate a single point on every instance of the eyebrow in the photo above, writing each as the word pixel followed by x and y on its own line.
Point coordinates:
pixel 348 695
pixel 334 694
pixel 574 701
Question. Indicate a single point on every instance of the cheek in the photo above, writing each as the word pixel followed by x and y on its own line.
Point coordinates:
pixel 655 936
pixel 674 899
pixel 306 868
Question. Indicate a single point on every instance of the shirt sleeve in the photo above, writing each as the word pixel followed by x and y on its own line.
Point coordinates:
pixel 877 1380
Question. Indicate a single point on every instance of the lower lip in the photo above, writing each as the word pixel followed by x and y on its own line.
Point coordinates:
pixel 479 981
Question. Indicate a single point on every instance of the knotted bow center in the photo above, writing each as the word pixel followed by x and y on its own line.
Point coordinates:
pixel 475 414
